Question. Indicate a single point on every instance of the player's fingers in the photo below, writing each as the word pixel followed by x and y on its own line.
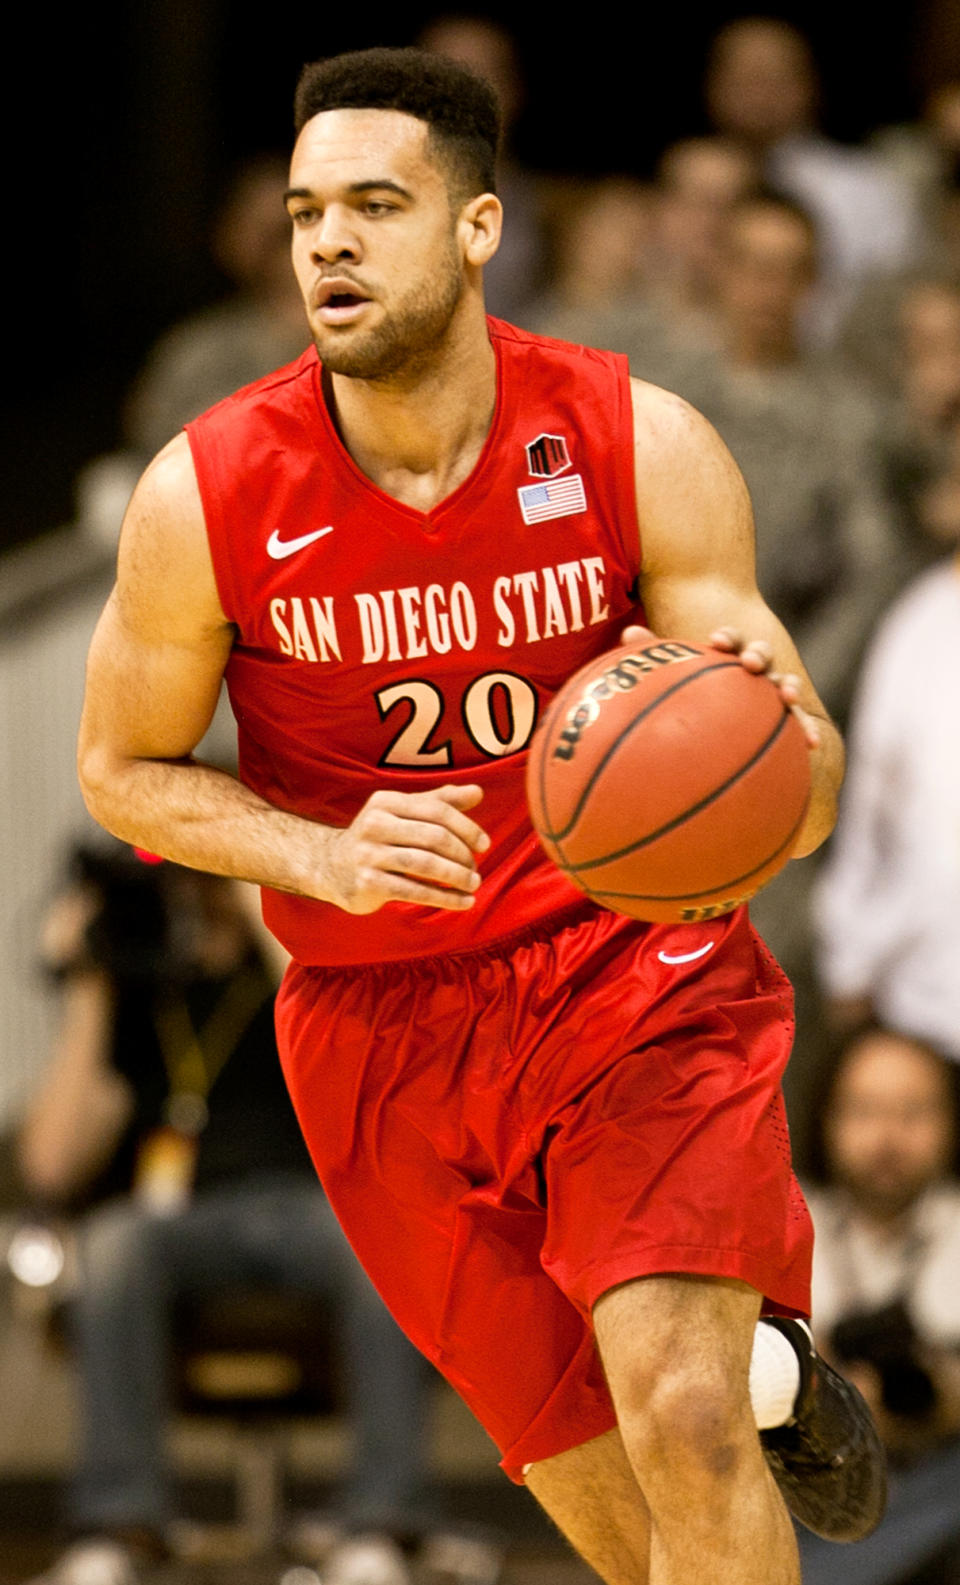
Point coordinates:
pixel 789 687
pixel 788 684
pixel 406 826
pixel 423 865
pixel 811 729
pixel 636 634
pixel 465 797
pixel 427 837
pixel 755 653
pixel 458 799
pixel 727 638
pixel 442 806
pixel 394 887
pixel 371 888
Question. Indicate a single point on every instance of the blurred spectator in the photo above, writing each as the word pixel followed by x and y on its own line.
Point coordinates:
pixel 258 328
pixel 515 274
pixel 884 341
pixel 886 1299
pixel 602 236
pixel 699 180
pixel 921 429
pixel 762 90
pixel 887 907
pixel 599 238
pixel 602 291
pixel 929 326
pixel 925 154
pixel 635 267
pixel 164 1124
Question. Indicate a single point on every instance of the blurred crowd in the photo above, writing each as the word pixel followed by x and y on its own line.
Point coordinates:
pixel 804 295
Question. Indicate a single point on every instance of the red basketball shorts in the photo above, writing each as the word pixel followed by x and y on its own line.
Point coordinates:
pixel 507 1133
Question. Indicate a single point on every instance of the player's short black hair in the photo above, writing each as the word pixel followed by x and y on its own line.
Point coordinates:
pixel 459 107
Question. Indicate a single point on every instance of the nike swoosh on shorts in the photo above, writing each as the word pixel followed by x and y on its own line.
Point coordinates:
pixel 686 957
pixel 278 548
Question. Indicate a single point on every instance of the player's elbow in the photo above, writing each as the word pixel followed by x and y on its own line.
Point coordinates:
pixel 827 771
pixel 821 813
pixel 820 821
pixel 99 773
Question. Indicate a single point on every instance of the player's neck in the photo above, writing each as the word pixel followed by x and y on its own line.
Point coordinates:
pixel 418 435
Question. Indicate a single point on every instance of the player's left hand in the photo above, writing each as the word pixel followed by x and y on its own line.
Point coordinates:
pixel 756 655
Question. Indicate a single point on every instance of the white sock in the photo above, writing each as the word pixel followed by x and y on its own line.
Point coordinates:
pixel 774 1377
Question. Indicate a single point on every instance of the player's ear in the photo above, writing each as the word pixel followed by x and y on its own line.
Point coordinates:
pixel 480 224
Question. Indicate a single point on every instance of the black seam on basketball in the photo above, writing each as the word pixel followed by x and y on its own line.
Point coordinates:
pixel 682 682
pixel 695 809
pixel 724 886
pixel 548 833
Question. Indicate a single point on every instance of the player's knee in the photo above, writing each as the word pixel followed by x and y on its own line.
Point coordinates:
pixel 686 1420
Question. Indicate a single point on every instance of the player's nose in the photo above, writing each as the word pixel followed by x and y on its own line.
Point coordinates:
pixel 334 237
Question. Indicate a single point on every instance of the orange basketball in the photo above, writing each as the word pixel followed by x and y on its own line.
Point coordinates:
pixel 667 781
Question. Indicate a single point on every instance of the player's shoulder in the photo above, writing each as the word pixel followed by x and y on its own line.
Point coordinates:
pixel 673 441
pixel 163 540
pixel 664 417
pixel 168 484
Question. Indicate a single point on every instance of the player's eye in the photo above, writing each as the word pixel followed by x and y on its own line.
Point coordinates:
pixel 303 217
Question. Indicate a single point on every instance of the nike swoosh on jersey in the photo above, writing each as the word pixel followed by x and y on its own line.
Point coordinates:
pixel 686 957
pixel 278 548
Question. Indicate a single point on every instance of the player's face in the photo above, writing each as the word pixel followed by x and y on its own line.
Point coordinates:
pixel 889 1133
pixel 376 245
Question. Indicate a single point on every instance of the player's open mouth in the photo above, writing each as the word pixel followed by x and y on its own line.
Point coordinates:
pixel 339 302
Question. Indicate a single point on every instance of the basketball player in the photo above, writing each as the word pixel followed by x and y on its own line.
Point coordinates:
pixel 554 1135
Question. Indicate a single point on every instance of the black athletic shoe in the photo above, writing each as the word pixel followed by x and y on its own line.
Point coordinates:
pixel 828 1461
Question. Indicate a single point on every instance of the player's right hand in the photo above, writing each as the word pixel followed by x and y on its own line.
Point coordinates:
pixel 407 847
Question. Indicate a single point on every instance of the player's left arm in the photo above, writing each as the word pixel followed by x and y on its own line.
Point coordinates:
pixel 698 573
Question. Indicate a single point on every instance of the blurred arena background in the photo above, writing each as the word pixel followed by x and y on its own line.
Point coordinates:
pixel 125 119
pixel 125 127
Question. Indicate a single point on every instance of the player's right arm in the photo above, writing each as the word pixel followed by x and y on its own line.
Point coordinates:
pixel 153 679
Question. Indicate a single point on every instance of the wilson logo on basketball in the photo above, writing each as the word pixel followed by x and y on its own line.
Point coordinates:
pixel 617 679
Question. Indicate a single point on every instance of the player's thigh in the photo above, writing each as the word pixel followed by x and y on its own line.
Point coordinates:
pixel 672 1341
pixel 591 1494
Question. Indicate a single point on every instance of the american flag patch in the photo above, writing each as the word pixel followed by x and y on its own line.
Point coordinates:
pixel 554 498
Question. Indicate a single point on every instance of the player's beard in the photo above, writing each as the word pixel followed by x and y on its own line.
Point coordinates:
pixel 407 339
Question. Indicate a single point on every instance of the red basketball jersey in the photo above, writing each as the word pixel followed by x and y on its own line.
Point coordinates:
pixel 379 646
